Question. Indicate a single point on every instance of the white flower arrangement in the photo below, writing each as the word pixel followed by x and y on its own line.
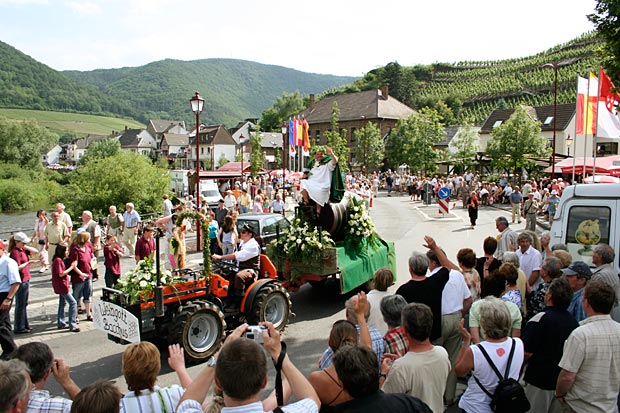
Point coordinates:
pixel 359 225
pixel 140 282
pixel 302 242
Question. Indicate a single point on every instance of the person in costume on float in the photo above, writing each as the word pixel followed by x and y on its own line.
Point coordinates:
pixel 324 182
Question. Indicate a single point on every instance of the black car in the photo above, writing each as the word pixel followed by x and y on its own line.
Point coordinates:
pixel 267 226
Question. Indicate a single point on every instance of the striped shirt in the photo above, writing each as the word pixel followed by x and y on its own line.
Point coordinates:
pixel 132 219
pixel 41 402
pixel 593 352
pixel 161 400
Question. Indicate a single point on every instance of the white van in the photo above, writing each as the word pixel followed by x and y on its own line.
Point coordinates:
pixel 211 192
pixel 587 215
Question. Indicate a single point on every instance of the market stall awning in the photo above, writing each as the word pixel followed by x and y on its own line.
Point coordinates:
pixel 608 165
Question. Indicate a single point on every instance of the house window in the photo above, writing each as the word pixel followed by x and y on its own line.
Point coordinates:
pixel 607 148
pixel 548 120
pixel 497 123
pixel 353 135
pixel 317 139
pixel 202 151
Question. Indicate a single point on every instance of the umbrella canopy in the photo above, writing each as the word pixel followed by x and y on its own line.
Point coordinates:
pixel 602 179
pixel 609 165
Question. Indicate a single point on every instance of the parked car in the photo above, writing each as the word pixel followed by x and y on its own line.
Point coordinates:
pixel 267 226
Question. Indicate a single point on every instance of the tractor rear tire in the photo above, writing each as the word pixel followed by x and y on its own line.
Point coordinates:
pixel 199 328
pixel 273 304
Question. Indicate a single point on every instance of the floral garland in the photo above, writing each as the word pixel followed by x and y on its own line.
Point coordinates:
pixel 140 282
pixel 302 242
pixel 206 241
pixel 359 226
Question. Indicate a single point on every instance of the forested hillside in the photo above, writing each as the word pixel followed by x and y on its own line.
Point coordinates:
pixel 28 84
pixel 469 91
pixel 233 89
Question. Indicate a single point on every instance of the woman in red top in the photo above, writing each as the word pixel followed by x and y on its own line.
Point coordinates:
pixel 472 208
pixel 20 252
pixel 81 278
pixel 62 286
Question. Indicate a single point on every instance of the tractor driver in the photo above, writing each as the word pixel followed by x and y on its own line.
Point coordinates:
pixel 248 262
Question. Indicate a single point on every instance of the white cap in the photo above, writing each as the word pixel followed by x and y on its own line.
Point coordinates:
pixel 554 192
pixel 21 237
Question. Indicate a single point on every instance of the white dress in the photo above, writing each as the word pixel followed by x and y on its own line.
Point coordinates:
pixel 319 182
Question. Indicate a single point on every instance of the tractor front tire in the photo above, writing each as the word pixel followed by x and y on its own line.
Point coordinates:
pixel 273 304
pixel 199 328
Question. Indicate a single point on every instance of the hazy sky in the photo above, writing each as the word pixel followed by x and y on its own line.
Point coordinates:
pixel 343 37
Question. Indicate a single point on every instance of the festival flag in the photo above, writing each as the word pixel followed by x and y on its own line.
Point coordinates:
pixel 299 132
pixel 587 92
pixel 306 140
pixel 608 123
pixel 291 136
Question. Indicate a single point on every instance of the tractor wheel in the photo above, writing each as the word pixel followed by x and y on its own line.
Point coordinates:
pixel 199 328
pixel 273 304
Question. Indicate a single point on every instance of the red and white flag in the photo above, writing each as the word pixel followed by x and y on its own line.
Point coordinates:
pixel 608 124
pixel 587 95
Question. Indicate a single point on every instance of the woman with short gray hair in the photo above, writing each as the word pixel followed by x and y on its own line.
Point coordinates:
pixel 510 257
pixel 495 319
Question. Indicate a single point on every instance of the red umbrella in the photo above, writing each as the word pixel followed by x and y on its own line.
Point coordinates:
pixel 602 179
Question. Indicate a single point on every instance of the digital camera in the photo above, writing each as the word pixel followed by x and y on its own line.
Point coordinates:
pixel 255 333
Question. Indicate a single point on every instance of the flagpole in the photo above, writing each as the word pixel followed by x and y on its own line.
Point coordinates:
pixel 596 131
pixel 572 180
pixel 585 130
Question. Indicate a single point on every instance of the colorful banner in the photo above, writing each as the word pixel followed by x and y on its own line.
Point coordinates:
pixel 587 92
pixel 306 138
pixel 291 137
pixel 608 123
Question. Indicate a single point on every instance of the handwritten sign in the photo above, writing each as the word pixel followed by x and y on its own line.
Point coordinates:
pixel 115 320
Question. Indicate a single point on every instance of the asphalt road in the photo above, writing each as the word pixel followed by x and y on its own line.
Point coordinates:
pixel 92 357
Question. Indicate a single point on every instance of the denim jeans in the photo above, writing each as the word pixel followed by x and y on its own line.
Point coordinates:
pixel 21 302
pixel 83 289
pixel 62 299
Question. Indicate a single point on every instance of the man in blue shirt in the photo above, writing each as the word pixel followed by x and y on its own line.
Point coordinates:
pixel 9 284
pixel 577 274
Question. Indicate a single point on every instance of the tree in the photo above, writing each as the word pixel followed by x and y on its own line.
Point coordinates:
pixel 286 106
pixel 338 140
pixel 222 161
pixel 416 137
pixel 607 24
pixel 116 180
pixel 257 157
pixel 517 142
pixel 101 149
pixel 463 148
pixel 369 149
pixel 23 143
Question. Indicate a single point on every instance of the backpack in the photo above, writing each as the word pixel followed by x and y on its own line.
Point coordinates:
pixel 509 396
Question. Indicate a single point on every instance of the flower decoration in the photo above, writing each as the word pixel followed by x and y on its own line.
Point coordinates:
pixel 359 226
pixel 302 242
pixel 140 282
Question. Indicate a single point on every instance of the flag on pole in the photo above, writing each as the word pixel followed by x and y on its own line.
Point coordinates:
pixel 306 139
pixel 587 92
pixel 299 133
pixel 608 124
pixel 291 137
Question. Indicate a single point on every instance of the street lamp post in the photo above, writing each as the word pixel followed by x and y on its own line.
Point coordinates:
pixel 284 127
pixel 569 143
pixel 241 144
pixel 197 103
pixel 554 66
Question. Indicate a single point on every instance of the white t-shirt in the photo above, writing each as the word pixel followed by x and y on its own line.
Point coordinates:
pixel 375 319
pixel 529 261
pixel 454 292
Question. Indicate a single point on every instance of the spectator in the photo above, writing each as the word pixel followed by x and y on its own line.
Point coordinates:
pixel 545 248
pixel 241 372
pixel 64 217
pixel 39 237
pixel 552 203
pixel 81 277
pixel 543 340
pixel 508 237
pixel 353 312
pixel 496 322
pixel 227 237
pixel 244 201
pixel 472 208
pixel 15 386
pixel 9 284
pixel 530 207
pixel 41 363
pixel 55 232
pixel 89 225
pixel 357 368
pixel 167 205
pixel 522 285
pixel 486 264
pixel 213 231
pixel 112 252
pixel 141 366
pixel 394 339
pixel 382 280
pixel 590 375
pixel 577 274
pixel 145 246
pixel 99 397
pixel 511 293
pixel 550 270
pixel 466 258
pixel 277 205
pixel 516 199
pixel 115 223
pixel 61 284
pixel 529 259
pixel 230 202
pixel 20 252
pixel 603 257
pixel 131 221
pixel 423 371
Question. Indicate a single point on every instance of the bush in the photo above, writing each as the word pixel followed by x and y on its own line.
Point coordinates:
pixel 16 195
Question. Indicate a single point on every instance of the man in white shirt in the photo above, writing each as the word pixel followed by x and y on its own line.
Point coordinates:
pixel 530 260
pixel 508 237
pixel 167 205
pixel 230 202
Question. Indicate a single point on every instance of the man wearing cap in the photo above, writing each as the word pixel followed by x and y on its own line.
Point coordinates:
pixel 552 202
pixel 325 180
pixel 9 284
pixel 248 261
pixel 577 274
pixel 131 220
pixel 145 246
pixel 21 252
pixel 590 375
pixel 55 232
pixel 229 201
pixel 530 207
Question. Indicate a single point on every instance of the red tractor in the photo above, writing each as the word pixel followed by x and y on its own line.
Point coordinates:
pixel 191 312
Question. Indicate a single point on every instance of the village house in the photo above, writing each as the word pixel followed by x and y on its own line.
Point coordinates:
pixel 137 141
pixel 215 143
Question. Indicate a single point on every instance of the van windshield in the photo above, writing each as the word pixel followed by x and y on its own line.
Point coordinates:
pixel 211 193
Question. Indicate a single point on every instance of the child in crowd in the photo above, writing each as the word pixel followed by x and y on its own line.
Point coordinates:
pixel 112 253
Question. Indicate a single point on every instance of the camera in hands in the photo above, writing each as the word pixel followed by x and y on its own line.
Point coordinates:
pixel 255 333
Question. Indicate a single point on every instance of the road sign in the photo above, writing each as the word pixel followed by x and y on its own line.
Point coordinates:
pixel 444 193
pixel 444 206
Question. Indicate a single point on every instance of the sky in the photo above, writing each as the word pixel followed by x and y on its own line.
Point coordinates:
pixel 340 37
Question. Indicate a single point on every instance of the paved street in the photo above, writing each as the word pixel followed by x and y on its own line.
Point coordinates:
pixel 397 219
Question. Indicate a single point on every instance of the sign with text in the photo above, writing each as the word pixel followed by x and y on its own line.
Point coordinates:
pixel 115 320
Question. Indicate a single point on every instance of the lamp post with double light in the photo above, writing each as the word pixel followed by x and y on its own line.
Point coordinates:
pixel 554 66
pixel 197 103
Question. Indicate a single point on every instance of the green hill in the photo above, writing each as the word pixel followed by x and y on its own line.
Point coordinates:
pixel 473 89
pixel 233 89
pixel 28 84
